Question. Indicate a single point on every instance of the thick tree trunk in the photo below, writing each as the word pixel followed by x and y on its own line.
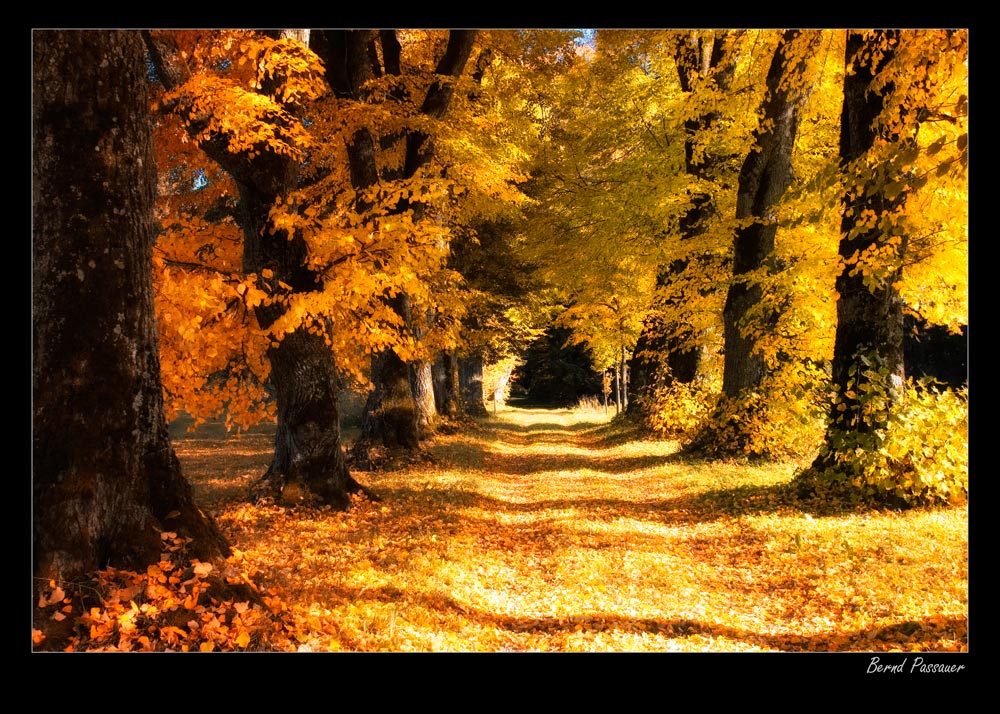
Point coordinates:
pixel 437 380
pixel 308 450
pixel 390 416
pixel 766 174
pixel 470 377
pixel 869 336
pixel 307 445
pixel 106 480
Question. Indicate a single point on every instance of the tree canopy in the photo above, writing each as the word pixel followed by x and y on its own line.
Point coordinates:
pixel 758 236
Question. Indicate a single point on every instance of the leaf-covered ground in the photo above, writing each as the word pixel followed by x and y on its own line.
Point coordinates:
pixel 546 530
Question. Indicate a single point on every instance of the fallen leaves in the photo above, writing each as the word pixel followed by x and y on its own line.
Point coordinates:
pixel 546 536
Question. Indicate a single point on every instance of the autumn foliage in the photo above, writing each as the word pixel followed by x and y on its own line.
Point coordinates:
pixel 545 530
pixel 700 214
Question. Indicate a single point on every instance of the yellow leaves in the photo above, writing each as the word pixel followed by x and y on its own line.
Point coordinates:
pixel 536 533
pixel 249 122
pixel 292 73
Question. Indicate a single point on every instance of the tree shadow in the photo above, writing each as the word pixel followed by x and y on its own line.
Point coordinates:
pixel 924 634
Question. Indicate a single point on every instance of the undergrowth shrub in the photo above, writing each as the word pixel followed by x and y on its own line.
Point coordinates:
pixel 916 453
pixel 782 419
pixel 676 411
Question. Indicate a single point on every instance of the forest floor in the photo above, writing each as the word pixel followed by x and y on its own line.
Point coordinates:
pixel 558 531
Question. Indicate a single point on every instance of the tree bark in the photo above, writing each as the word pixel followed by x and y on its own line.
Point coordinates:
pixel 422 384
pixel 106 480
pixel 470 375
pixel 766 174
pixel 390 415
pixel 452 397
pixel 869 336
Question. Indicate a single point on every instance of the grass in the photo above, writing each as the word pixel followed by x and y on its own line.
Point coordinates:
pixel 557 531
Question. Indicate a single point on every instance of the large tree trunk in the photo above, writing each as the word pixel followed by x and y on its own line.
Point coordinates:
pixel 470 376
pixel 308 450
pixel 451 398
pixel 390 416
pixel 766 174
pixel 868 347
pixel 106 480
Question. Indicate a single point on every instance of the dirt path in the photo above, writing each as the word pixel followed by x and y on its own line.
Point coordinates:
pixel 553 531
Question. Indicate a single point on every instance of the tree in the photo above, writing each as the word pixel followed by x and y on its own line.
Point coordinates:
pixel 763 179
pixel 106 480
pixel 892 86
pixel 391 414
pixel 668 349
pixel 253 135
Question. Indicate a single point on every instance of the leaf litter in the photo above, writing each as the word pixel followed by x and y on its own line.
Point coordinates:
pixel 545 531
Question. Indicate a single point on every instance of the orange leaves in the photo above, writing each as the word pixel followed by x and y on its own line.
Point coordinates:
pixel 175 605
pixel 546 531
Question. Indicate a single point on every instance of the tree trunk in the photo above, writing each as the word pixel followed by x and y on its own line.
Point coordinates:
pixel 422 386
pixel 618 387
pixel 308 449
pixel 766 174
pixel 868 347
pixel 452 398
pixel 390 416
pixel 470 375
pixel 106 480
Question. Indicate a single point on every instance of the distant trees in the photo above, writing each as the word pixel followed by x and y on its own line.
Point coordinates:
pixel 105 479
pixel 557 372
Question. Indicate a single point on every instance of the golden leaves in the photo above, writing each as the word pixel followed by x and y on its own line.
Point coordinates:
pixel 174 606
pixel 550 531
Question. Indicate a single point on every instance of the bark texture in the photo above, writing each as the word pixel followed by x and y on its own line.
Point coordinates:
pixel 422 385
pixel 766 174
pixel 470 376
pixel 106 480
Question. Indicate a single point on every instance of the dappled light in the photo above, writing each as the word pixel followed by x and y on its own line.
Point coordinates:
pixel 582 542
pixel 501 340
